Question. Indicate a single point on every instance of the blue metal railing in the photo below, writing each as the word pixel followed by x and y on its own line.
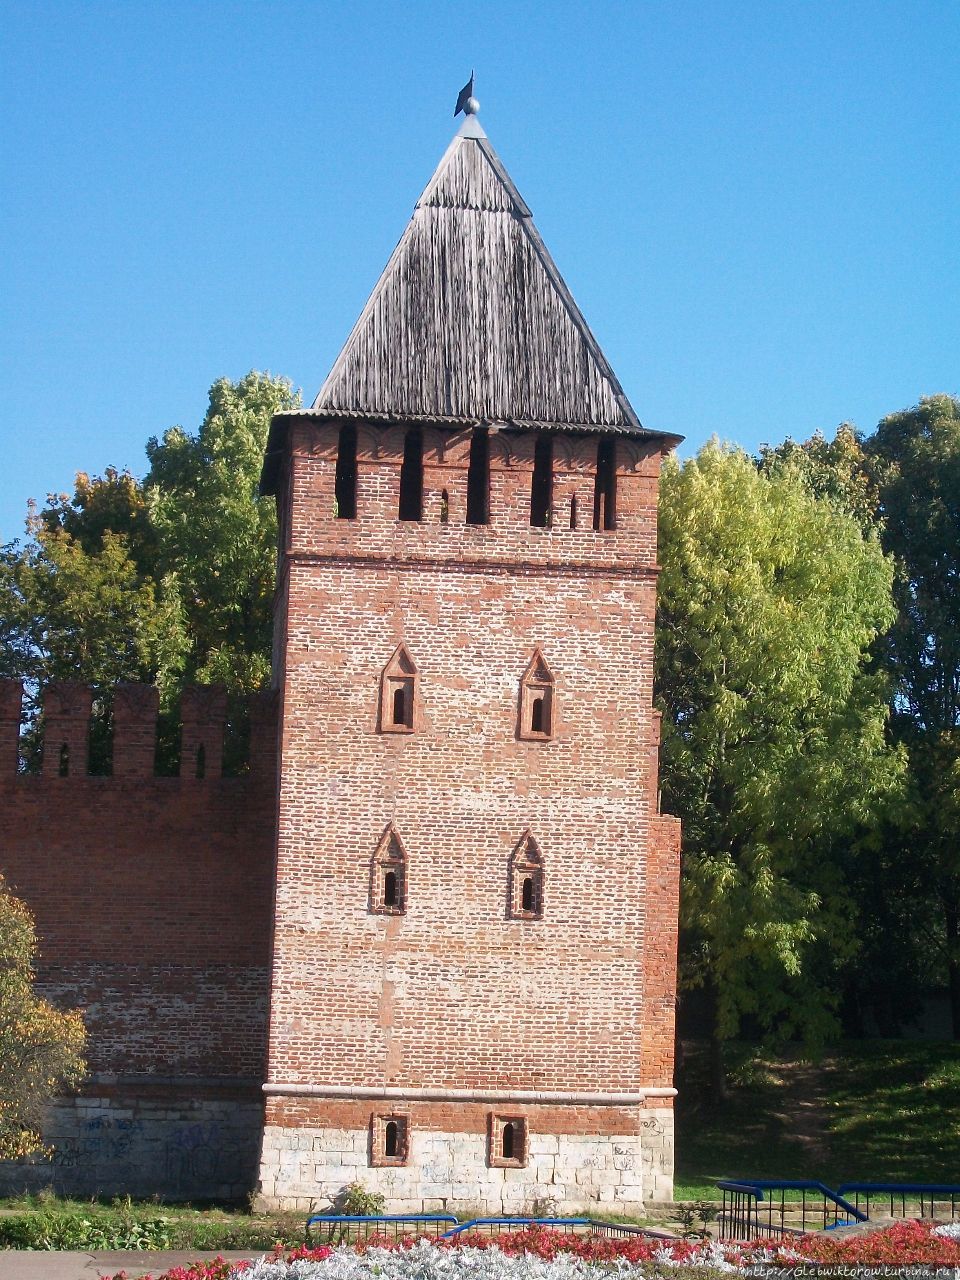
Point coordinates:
pixel 342 1226
pixel 749 1211
pixel 383 1224
pixel 494 1225
pixel 497 1226
pixel 931 1197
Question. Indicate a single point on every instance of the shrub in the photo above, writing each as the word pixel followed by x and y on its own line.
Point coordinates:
pixel 41 1048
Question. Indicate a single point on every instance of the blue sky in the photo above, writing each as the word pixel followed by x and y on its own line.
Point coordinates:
pixel 756 205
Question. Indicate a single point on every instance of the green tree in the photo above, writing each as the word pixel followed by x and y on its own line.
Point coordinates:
pixel 73 613
pixel 890 892
pixel 77 607
pixel 217 537
pixel 774 746
pixel 170 580
pixel 916 459
pixel 41 1048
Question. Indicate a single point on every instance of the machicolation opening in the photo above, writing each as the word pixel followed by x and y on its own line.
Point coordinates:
pixel 345 479
pixel 478 478
pixel 411 476
pixel 541 485
pixel 605 486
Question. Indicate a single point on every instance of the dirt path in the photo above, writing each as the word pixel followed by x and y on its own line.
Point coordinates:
pixel 803 1111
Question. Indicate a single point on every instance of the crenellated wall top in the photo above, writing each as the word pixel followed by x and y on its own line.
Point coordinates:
pixel 67 711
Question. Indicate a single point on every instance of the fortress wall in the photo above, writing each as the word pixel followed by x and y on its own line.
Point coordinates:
pixel 152 898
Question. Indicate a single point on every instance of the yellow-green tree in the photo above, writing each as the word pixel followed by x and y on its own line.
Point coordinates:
pixel 41 1048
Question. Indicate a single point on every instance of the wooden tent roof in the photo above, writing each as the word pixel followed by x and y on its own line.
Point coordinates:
pixel 471 322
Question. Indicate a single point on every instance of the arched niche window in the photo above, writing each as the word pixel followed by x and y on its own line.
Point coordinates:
pixel 526 880
pixel 605 486
pixel 398 693
pixel 389 1139
pixel 388 875
pixel 537 700
pixel 507 1141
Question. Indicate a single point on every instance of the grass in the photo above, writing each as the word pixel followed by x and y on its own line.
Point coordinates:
pixel 45 1221
pixel 876 1110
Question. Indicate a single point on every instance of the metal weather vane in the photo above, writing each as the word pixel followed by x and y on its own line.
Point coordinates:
pixel 466 102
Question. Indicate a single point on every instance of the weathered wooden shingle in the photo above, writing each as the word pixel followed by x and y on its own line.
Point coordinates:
pixel 471 321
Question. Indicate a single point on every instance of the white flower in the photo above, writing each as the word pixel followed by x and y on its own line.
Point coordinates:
pixel 425 1261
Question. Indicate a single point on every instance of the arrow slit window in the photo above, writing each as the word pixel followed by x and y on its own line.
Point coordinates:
pixel 345 480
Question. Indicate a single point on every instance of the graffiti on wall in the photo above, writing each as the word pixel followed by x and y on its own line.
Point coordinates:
pixel 193 1153
pixel 105 1153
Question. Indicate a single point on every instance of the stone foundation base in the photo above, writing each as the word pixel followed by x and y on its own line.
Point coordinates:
pixel 176 1148
pixel 449 1172
pixel 177 1144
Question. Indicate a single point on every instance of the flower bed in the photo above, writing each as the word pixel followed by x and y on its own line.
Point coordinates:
pixel 552 1255
pixel 904 1244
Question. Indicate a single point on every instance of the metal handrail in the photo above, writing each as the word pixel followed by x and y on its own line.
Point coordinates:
pixel 750 1213
pixel 603 1228
pixel 368 1221
pixel 912 1188
pixel 514 1222
pixel 926 1193
pixel 801 1184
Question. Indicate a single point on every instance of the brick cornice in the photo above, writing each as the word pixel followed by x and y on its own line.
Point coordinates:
pixel 280 1089
pixel 498 568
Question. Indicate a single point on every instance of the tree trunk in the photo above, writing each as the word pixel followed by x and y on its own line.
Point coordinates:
pixel 677 1047
pixel 718 1072
pixel 951 912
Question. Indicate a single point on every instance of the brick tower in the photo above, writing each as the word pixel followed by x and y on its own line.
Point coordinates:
pixel 474 948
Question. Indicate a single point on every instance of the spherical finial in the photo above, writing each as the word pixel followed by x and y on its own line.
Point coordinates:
pixel 471 106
